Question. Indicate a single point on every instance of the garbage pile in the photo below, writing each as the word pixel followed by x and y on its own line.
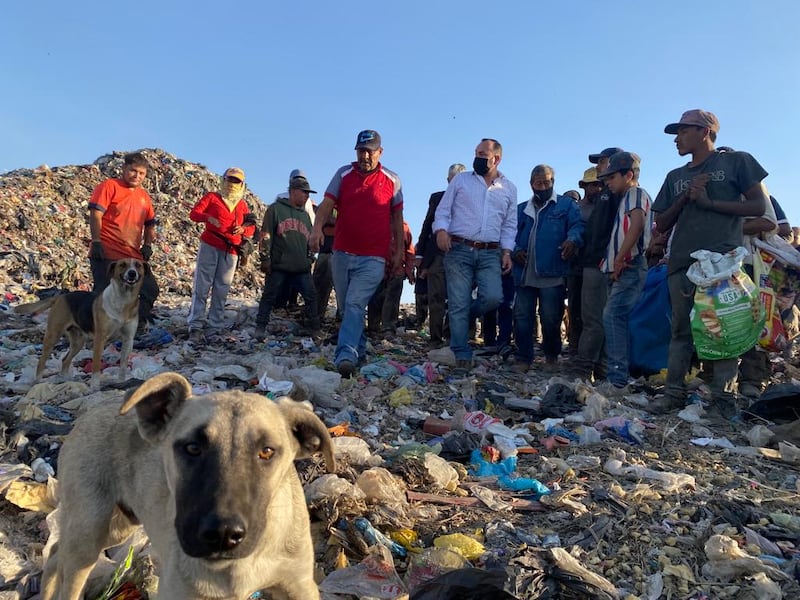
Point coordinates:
pixel 491 484
pixel 45 235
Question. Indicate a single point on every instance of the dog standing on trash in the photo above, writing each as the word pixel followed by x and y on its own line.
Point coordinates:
pixel 210 477
pixel 112 312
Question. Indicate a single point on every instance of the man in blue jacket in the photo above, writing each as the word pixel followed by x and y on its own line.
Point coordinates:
pixel 549 230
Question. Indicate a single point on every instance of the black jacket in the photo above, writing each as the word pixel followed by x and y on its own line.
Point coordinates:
pixel 426 244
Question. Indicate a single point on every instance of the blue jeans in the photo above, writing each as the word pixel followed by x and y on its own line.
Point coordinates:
pixel 551 312
pixel 502 317
pixel 466 268
pixel 355 279
pixel 622 295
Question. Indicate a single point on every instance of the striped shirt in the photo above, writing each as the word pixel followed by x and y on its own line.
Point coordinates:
pixel 634 198
pixel 477 212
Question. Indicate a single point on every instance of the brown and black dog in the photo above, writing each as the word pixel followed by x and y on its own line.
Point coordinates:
pixel 112 312
pixel 211 478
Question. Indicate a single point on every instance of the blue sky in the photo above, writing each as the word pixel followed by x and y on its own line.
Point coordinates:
pixel 272 86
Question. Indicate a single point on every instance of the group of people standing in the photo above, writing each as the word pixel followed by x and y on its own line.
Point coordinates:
pixel 480 254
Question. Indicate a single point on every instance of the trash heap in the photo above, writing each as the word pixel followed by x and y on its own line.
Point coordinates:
pixel 45 235
pixel 492 484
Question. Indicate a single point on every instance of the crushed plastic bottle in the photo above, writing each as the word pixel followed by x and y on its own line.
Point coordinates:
pixel 373 536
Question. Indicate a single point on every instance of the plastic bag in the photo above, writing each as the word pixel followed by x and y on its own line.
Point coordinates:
pixel 373 577
pixel 431 563
pixel 727 316
pixel 650 324
pixel 466 546
pixel 353 449
pixel 773 335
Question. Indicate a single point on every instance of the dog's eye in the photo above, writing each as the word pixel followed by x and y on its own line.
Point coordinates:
pixel 266 453
pixel 192 449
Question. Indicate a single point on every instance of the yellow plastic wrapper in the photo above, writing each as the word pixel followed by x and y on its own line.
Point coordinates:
pixel 406 538
pixel 468 547
pixel 400 397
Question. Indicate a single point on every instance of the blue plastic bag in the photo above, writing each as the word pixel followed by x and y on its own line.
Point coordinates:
pixel 650 325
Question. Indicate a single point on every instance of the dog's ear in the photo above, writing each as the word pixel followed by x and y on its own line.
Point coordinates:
pixel 110 269
pixel 310 432
pixel 156 401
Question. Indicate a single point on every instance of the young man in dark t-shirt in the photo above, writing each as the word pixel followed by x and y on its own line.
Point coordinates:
pixel 703 201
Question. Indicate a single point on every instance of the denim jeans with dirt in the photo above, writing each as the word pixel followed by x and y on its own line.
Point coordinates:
pixel 467 268
pixel 622 295
pixel 355 279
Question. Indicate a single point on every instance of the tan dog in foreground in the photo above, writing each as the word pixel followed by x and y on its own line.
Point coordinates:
pixel 210 477
pixel 113 312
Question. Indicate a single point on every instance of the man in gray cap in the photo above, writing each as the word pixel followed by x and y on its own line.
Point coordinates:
pixel 702 201
pixel 284 252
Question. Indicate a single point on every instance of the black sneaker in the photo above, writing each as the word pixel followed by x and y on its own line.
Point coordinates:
pixel 346 368
pixel 464 363
pixel 666 404
pixel 725 407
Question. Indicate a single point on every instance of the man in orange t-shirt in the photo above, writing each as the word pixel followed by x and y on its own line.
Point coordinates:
pixel 122 223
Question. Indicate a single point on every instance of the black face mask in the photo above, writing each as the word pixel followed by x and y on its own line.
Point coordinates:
pixel 543 195
pixel 480 165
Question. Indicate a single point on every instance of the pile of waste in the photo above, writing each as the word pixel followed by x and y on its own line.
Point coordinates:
pixel 489 484
pixel 45 235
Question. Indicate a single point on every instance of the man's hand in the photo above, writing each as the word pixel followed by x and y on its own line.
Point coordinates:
pixel 266 264
pixel 443 240
pixel 315 241
pixel 237 230
pixel 520 257
pixel 620 264
pixel 697 190
pixel 147 252
pixel 506 263
pixel 567 250
pixel 97 252
pixel 397 263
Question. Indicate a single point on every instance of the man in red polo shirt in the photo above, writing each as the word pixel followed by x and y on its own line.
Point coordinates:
pixel 369 202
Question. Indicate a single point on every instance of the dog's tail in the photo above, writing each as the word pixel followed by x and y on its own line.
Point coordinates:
pixel 34 307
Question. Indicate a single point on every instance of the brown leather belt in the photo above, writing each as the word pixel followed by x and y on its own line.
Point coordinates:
pixel 476 245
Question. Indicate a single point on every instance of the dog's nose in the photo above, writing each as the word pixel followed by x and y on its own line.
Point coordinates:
pixel 222 534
